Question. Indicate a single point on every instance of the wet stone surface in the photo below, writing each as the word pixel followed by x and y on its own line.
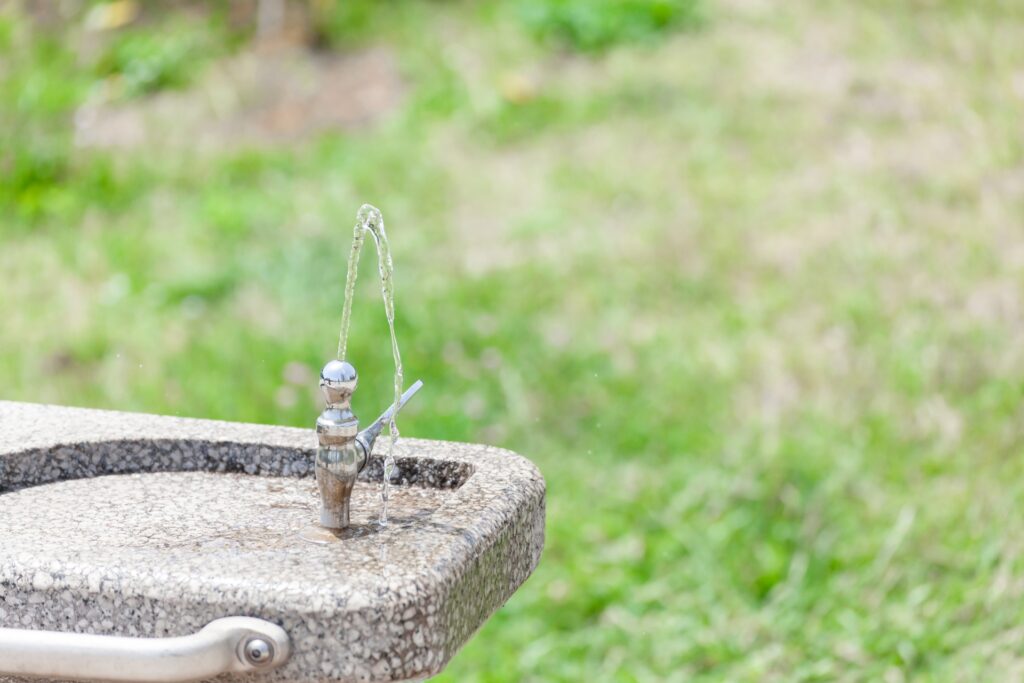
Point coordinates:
pixel 151 526
pixel 243 515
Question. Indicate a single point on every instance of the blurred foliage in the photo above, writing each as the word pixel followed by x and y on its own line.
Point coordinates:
pixel 575 24
pixel 162 50
pixel 47 80
pixel 749 296
pixel 145 62
pixel 593 26
pixel 39 88
pixel 348 22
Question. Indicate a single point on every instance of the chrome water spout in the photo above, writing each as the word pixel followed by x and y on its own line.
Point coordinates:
pixel 343 450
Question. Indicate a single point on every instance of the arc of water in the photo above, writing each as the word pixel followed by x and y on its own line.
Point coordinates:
pixel 369 219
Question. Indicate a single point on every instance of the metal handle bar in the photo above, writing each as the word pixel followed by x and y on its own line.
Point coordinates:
pixel 232 644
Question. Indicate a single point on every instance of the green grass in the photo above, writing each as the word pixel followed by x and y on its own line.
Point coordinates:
pixel 593 27
pixel 165 57
pixel 750 295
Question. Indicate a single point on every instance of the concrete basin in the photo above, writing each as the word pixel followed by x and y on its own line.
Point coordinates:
pixel 122 524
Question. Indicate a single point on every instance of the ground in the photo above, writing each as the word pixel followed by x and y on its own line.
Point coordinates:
pixel 750 292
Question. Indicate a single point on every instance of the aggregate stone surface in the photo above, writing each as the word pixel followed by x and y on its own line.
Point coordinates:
pixel 153 526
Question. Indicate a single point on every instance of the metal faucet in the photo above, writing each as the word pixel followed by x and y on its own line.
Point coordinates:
pixel 343 450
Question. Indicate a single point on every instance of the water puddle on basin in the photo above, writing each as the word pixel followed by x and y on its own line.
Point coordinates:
pixel 201 512
pixel 322 536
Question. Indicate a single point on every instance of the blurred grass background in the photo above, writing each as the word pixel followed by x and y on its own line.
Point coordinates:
pixel 744 279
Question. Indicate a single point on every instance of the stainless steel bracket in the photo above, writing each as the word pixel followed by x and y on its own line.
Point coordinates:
pixel 229 645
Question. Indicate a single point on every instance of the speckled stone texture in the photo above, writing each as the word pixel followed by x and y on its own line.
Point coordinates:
pixel 203 520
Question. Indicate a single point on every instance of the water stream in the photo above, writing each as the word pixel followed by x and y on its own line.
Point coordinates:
pixel 370 220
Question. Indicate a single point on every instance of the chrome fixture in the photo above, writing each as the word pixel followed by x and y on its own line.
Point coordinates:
pixel 343 450
pixel 228 645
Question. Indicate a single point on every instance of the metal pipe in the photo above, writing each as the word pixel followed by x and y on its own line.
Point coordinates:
pixel 228 645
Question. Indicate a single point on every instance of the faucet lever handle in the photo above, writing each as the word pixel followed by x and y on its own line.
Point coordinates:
pixel 369 435
pixel 409 393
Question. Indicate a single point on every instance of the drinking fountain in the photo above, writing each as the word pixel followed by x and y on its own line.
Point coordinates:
pixel 161 549
pixel 154 548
